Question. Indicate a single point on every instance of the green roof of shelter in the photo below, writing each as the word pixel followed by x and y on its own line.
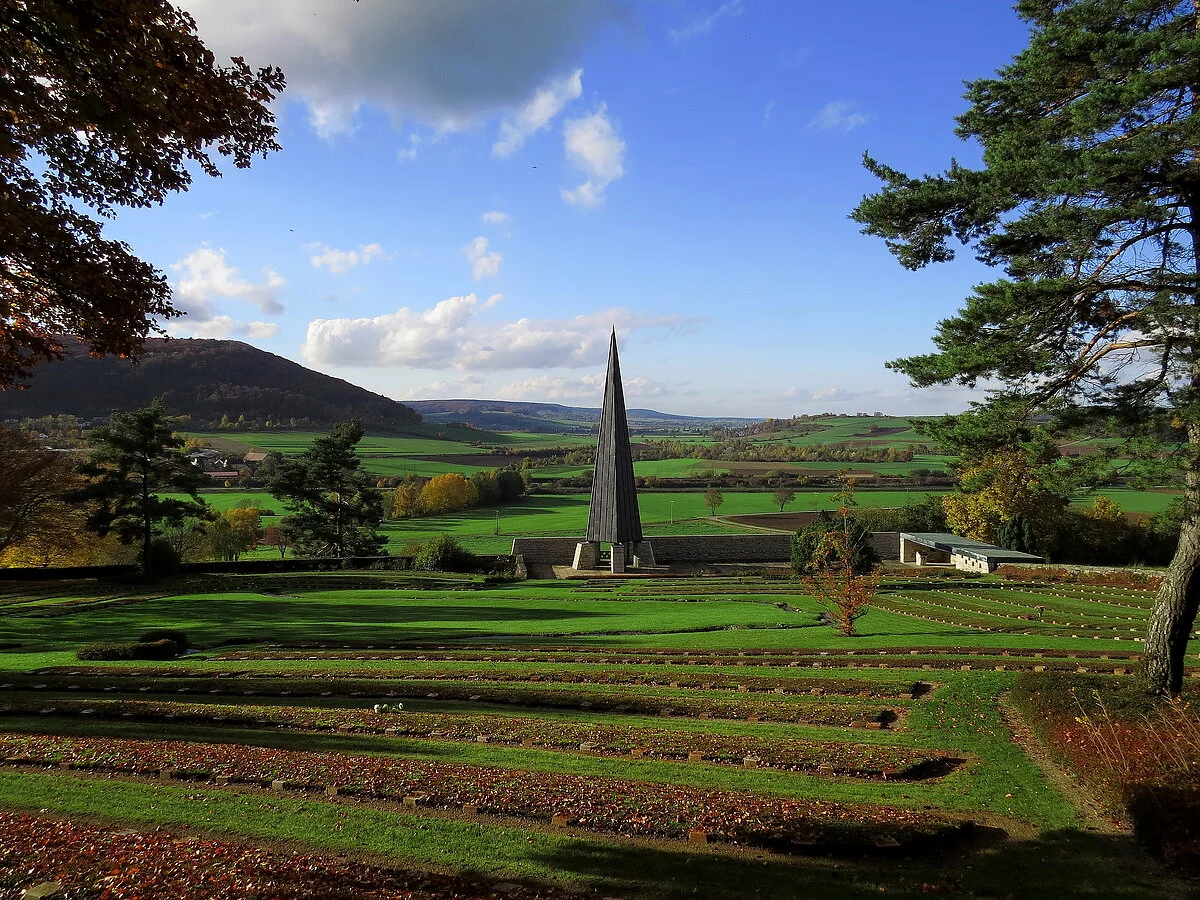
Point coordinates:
pixel 952 543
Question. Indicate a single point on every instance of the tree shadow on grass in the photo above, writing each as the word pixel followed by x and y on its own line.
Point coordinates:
pixel 1056 865
pixel 254 622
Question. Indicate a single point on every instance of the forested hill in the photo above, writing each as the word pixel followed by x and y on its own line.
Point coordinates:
pixel 204 379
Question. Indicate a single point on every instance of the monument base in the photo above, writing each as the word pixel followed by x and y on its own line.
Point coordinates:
pixel 587 555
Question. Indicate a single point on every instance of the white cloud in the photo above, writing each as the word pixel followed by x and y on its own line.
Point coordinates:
pixel 705 24
pixel 204 276
pixel 495 217
pixel 554 388
pixel 221 327
pixel 537 114
pixel 766 117
pixel 262 329
pixel 449 336
pixel 494 300
pixel 341 261
pixel 409 153
pixel 592 145
pixel 484 264
pixel 448 63
pixel 838 114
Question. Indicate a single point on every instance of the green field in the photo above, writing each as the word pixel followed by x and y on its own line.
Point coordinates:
pixel 526 701
pixel 458 440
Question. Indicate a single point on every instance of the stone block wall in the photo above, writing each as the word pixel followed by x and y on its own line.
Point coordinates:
pixel 722 548
pixel 697 548
pixel 886 544
pixel 556 551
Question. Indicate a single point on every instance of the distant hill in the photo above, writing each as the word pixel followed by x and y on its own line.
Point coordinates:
pixel 512 415
pixel 204 379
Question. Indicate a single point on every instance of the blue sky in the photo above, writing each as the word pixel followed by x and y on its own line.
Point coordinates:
pixel 471 194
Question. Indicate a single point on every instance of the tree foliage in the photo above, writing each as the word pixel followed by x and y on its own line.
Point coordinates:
pixel 136 458
pixel 846 594
pixel 783 496
pixel 448 493
pixel 1087 201
pixel 828 540
pixel 104 105
pixel 334 506
pixel 995 490
pixel 38 522
pixel 279 537
pixel 713 500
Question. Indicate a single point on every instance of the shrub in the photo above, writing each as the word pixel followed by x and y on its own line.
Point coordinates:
pixel 140 650
pixel 161 558
pixel 174 635
pixel 445 554
pixel 824 541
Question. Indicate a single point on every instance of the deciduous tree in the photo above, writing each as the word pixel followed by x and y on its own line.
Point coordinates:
pixel 278 536
pixel 448 493
pixel 1087 200
pixel 35 489
pixel 996 489
pixel 104 105
pixel 713 500
pixel 784 496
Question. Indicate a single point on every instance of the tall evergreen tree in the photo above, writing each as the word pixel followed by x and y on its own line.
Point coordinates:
pixel 334 506
pixel 1087 200
pixel 136 457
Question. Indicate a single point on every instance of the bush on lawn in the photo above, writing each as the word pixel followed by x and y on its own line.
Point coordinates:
pixel 444 554
pixel 161 558
pixel 139 650
pixel 174 635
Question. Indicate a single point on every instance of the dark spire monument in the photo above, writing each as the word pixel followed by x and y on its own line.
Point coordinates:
pixel 613 515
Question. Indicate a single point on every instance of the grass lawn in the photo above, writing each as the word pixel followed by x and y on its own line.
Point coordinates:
pixel 536 657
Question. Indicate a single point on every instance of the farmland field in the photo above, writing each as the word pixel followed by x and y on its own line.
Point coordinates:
pixel 661 738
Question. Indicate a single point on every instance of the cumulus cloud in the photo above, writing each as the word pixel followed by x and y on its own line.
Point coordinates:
pixel 838 114
pixel 537 114
pixel 704 24
pixel 450 64
pixel 449 336
pixel 221 327
pixel 484 263
pixel 341 261
pixel 593 146
pixel 262 329
pixel 204 276
pixel 495 217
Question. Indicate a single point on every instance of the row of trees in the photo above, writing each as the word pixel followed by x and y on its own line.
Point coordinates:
pixel 137 487
pixel 451 492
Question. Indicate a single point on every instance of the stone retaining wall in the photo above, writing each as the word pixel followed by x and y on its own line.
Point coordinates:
pixel 700 548
pixel 558 551
pixel 722 548
pixel 886 544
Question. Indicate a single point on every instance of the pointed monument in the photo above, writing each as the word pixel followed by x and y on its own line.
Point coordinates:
pixel 613 515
